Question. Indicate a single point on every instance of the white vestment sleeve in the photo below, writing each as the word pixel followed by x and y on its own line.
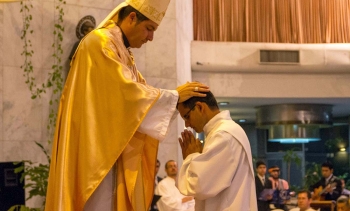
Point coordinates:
pixel 168 201
pixel 163 112
pixel 218 161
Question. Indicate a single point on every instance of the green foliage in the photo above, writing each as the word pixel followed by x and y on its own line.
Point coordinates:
pixel 28 52
pixel 344 176
pixel 55 79
pixel 312 175
pixel 56 76
pixel 294 188
pixel 23 208
pixel 291 157
pixel 37 174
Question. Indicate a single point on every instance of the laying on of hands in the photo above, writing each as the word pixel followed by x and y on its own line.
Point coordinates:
pixel 191 89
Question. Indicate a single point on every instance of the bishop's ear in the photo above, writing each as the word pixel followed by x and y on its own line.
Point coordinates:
pixel 132 17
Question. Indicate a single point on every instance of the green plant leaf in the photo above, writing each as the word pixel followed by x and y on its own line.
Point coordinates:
pixel 19 169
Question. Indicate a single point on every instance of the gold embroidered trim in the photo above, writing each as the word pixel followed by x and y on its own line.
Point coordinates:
pixel 153 12
pixel 148 10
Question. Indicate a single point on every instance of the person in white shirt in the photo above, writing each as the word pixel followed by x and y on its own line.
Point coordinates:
pixel 304 200
pixel 171 198
pixel 219 175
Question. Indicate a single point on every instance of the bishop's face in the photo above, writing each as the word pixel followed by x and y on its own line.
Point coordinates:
pixel 140 33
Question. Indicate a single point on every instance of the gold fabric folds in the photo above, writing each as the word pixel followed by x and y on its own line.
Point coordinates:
pixel 103 103
pixel 133 181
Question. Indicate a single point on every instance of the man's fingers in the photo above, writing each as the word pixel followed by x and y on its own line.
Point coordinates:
pixel 200 94
pixel 188 132
pixel 180 142
pixel 190 136
pixel 200 85
pixel 187 136
pixel 200 89
pixel 186 139
pixel 184 136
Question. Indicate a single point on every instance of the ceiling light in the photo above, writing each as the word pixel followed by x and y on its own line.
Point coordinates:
pixel 293 140
pixel 242 120
pixel 223 103
pixel 295 123
pixel 342 149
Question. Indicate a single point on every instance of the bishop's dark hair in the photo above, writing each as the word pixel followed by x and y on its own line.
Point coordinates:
pixel 125 11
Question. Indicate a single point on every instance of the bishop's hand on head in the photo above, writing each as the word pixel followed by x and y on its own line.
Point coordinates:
pixel 191 89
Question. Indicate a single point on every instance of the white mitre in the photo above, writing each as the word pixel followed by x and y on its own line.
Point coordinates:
pixel 152 9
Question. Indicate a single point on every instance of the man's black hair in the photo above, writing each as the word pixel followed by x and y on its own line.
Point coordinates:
pixel 259 163
pixel 125 11
pixel 209 100
pixel 327 164
pixel 308 193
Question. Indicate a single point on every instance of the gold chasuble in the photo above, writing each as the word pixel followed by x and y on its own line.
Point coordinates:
pixel 103 103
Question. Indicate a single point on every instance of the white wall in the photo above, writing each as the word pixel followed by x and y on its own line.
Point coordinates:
pixel 233 69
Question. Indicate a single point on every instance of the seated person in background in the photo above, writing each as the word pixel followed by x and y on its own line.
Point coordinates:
pixel 261 183
pixel 304 200
pixel 281 187
pixel 343 204
pixel 171 198
pixel 345 191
